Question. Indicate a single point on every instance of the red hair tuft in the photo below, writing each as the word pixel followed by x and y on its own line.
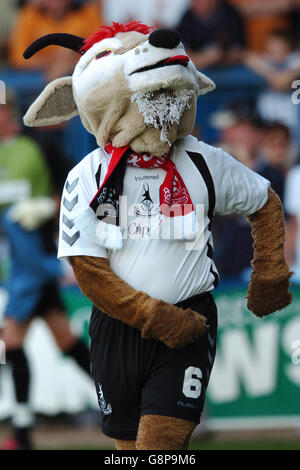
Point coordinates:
pixel 110 31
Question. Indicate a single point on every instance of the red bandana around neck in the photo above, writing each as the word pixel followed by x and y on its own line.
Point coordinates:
pixel 173 191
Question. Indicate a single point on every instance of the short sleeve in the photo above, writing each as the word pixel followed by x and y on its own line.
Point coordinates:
pixel 238 189
pixel 292 192
pixel 75 216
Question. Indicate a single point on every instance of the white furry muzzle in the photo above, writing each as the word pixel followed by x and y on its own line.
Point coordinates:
pixel 161 109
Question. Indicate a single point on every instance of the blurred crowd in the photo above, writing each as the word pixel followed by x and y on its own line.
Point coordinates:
pixel 263 37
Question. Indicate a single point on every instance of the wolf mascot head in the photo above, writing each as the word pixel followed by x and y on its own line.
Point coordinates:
pixel 131 86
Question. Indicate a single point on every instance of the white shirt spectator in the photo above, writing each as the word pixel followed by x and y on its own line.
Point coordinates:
pixel 277 105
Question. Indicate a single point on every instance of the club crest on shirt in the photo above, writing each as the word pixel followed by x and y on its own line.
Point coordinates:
pixel 146 208
pixel 105 407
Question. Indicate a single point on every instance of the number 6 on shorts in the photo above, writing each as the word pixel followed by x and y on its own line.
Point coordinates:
pixel 192 382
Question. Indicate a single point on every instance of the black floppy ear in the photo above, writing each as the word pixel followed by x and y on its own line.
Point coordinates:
pixel 69 41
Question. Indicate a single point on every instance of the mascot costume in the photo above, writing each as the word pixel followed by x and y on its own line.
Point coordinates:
pixel 135 225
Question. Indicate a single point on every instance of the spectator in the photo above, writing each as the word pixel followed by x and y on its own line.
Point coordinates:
pixel 240 132
pixel 212 31
pixel 292 208
pixel 294 20
pixel 275 153
pixel 28 216
pixel 261 18
pixel 8 13
pixel 40 17
pixel 279 65
pixel 242 135
pixel 165 13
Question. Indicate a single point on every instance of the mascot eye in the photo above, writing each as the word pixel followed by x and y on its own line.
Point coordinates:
pixel 102 54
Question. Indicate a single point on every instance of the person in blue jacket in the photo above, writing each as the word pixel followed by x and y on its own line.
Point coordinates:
pixel 28 214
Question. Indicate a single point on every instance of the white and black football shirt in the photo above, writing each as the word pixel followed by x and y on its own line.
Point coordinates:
pixel 171 270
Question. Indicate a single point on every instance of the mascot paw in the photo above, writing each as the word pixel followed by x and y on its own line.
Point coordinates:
pixel 268 296
pixel 175 328
pixel 192 327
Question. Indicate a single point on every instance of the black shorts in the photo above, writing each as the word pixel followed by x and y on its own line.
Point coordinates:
pixel 50 299
pixel 136 376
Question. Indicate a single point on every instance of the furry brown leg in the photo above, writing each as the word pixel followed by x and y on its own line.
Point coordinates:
pixel 124 445
pixel 268 289
pixel 163 433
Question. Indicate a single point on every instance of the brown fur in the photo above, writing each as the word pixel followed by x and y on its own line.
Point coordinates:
pixel 163 433
pixel 159 433
pixel 124 445
pixel 176 328
pixel 268 288
pixel 157 319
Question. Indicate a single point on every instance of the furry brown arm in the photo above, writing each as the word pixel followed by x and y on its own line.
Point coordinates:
pixel 156 319
pixel 268 288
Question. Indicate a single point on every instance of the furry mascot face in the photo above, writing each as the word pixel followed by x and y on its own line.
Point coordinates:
pixel 132 86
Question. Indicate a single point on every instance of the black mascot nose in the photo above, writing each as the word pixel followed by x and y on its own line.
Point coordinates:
pixel 166 38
